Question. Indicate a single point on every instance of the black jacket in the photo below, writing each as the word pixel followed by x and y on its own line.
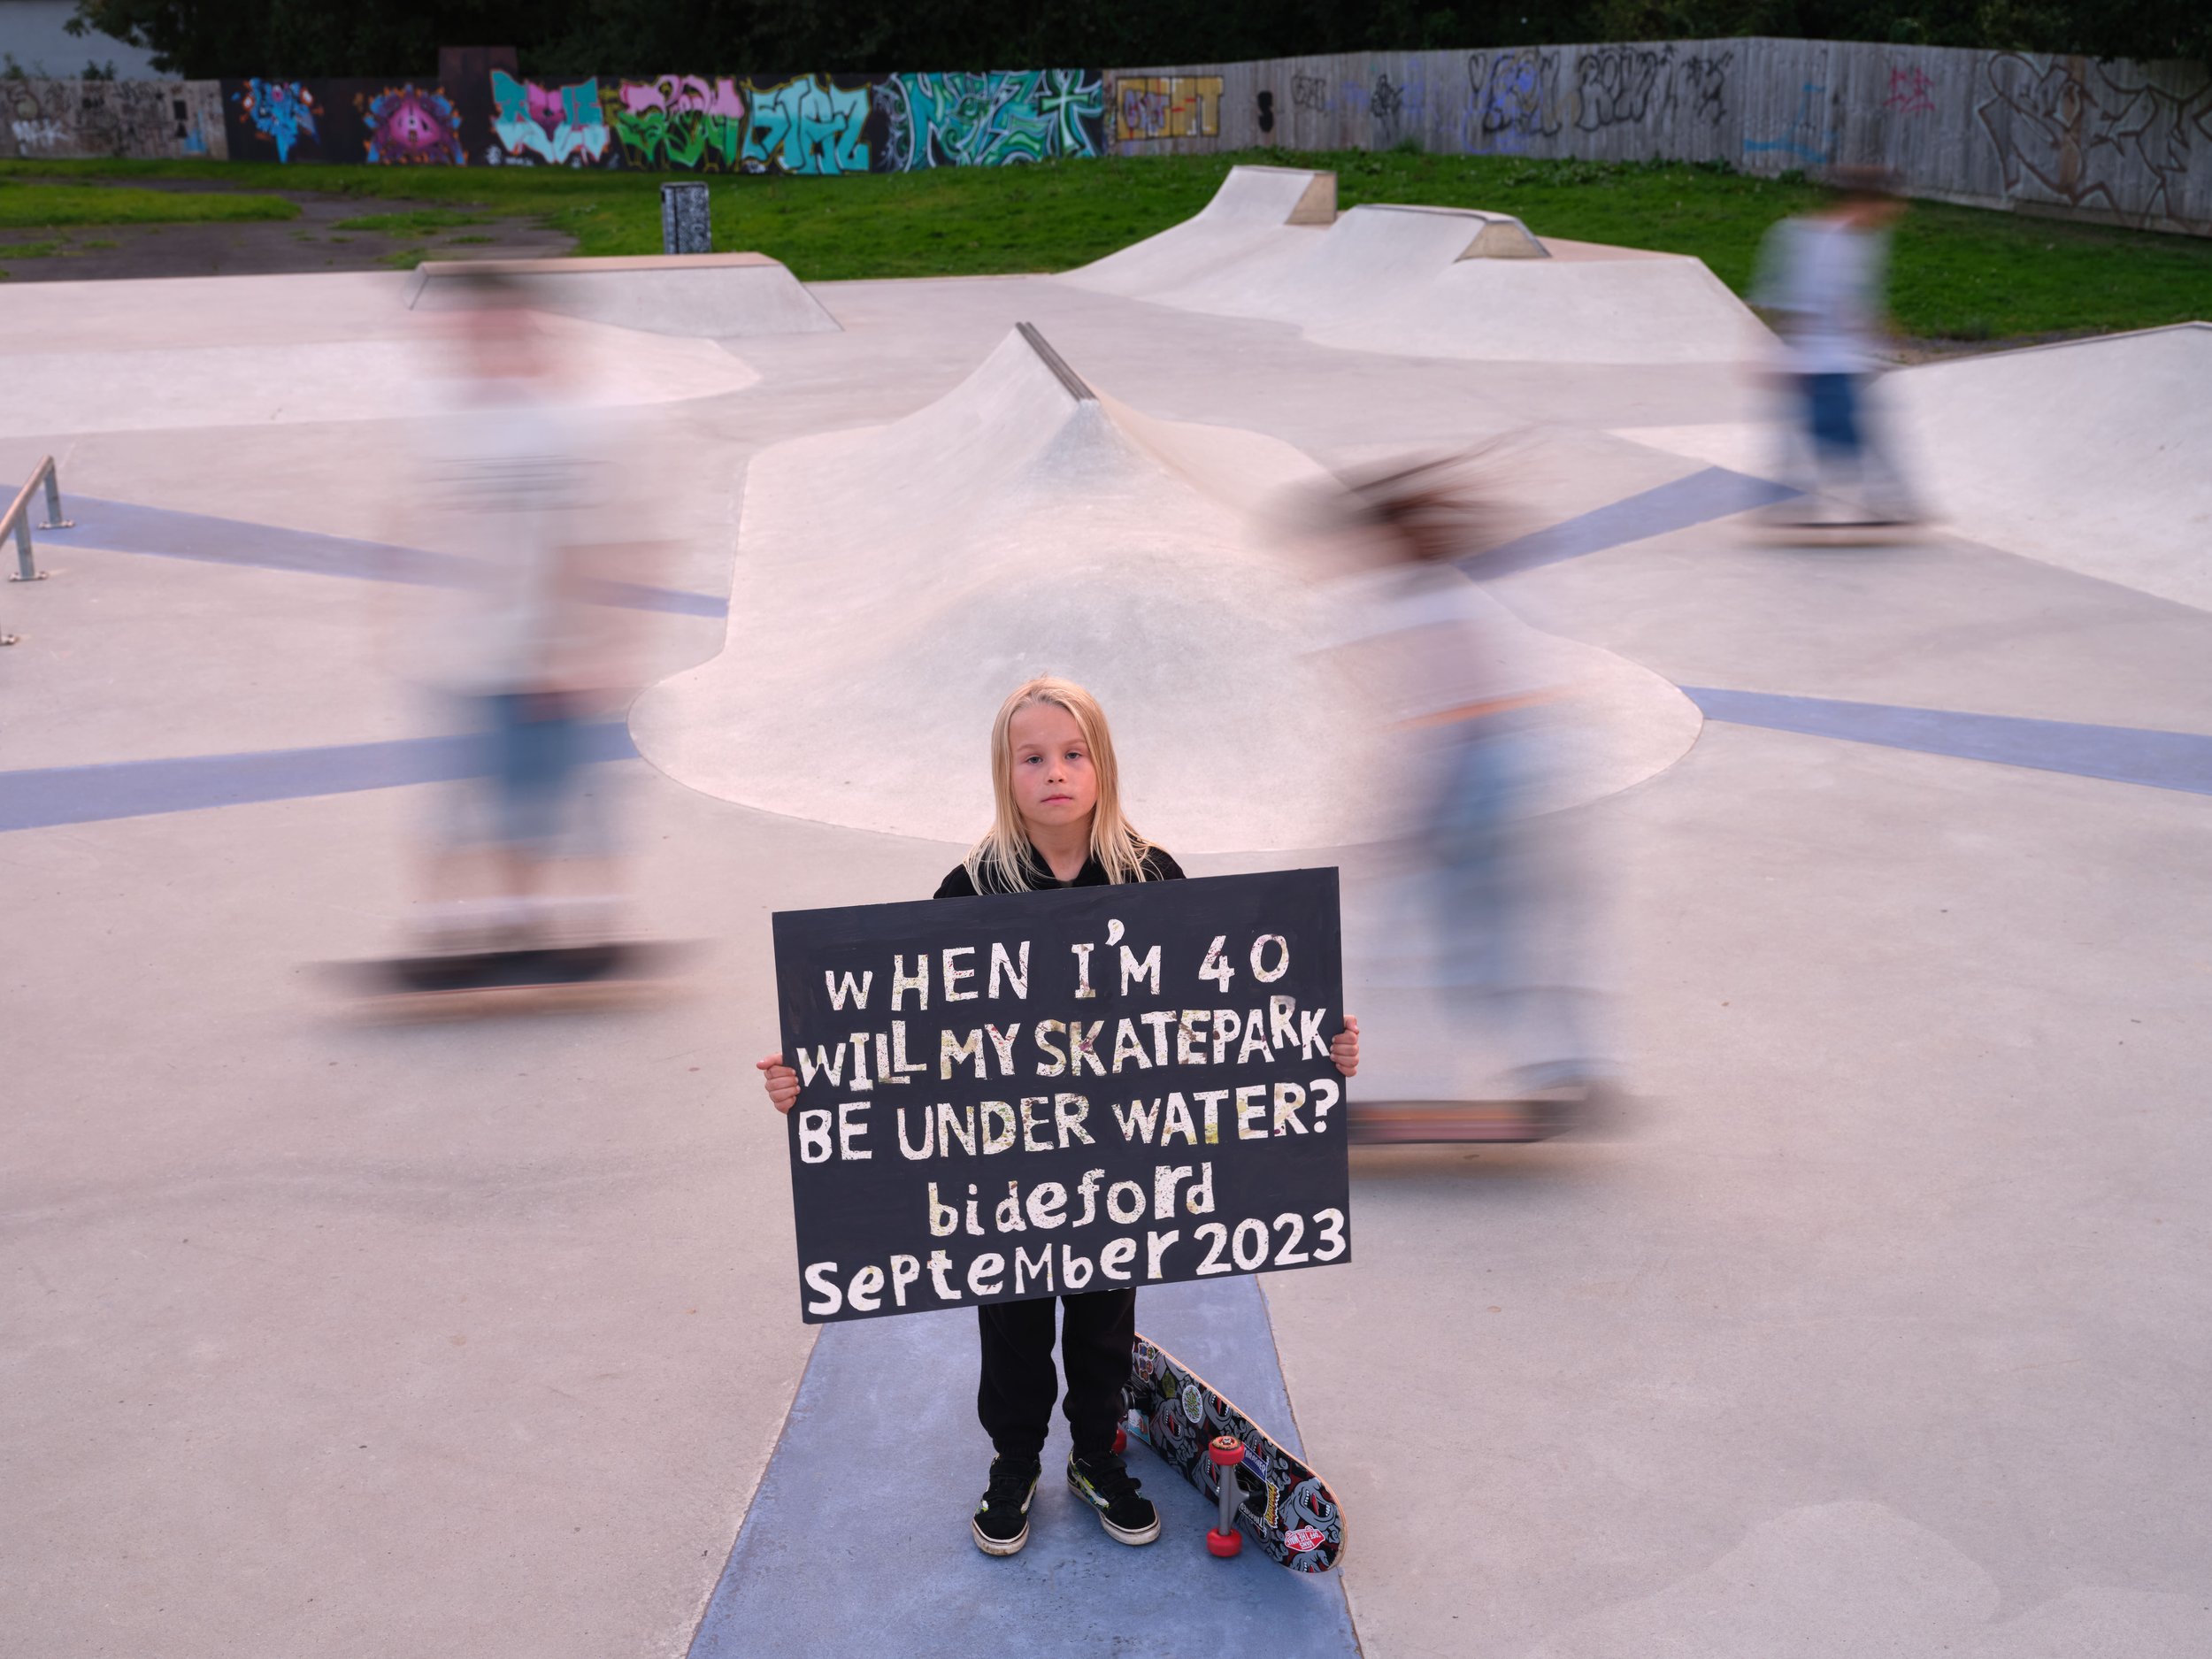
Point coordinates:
pixel 1158 866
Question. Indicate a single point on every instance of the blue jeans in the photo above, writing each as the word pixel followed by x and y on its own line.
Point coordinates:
pixel 529 750
pixel 1505 906
pixel 1832 408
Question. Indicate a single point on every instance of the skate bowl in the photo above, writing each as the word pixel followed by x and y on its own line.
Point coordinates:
pixel 893 583
pixel 712 295
pixel 2019 449
pixel 242 382
pixel 2022 449
pixel 1258 211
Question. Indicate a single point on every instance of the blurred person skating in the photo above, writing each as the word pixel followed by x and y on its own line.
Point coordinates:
pixel 1488 916
pixel 522 494
pixel 1821 281
pixel 1058 822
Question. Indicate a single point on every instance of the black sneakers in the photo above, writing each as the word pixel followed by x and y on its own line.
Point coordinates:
pixel 1001 1520
pixel 1106 1486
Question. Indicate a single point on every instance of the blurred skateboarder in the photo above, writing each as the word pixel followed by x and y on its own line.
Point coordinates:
pixel 523 495
pixel 1470 723
pixel 1821 283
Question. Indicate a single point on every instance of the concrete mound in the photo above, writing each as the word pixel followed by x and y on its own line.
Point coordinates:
pixel 2095 455
pixel 1430 282
pixel 1256 211
pixel 893 583
pixel 716 295
pixel 1372 260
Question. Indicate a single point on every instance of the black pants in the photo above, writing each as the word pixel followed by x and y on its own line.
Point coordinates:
pixel 1098 1329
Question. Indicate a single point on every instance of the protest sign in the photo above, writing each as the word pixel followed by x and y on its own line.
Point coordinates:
pixel 1027 1095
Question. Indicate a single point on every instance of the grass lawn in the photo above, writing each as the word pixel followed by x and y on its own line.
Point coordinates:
pixel 41 205
pixel 1961 274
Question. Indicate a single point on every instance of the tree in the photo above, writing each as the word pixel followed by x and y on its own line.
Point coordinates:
pixel 206 39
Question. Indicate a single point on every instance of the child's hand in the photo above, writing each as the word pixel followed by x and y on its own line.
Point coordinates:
pixel 1344 1050
pixel 782 1082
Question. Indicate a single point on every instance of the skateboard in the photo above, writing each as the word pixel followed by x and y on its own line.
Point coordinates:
pixel 1267 1495
pixel 1836 532
pixel 1451 1122
pixel 463 983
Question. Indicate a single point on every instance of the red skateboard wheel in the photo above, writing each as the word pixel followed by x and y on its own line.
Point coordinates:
pixel 1226 1449
pixel 1223 1544
pixel 1121 1441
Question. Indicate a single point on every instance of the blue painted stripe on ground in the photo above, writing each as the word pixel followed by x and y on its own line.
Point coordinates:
pixel 2118 754
pixel 43 798
pixel 1699 498
pixel 121 526
pixel 860 1527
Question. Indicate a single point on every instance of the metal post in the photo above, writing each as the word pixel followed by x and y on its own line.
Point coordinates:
pixel 685 223
pixel 18 518
pixel 54 520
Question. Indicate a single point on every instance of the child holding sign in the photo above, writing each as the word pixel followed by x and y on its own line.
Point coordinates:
pixel 1058 824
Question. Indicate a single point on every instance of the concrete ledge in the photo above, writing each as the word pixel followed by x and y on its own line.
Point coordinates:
pixel 1316 199
pixel 712 294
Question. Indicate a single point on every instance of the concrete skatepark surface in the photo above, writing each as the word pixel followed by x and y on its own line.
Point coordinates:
pixel 1883 1330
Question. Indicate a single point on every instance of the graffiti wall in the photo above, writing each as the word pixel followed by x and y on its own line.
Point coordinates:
pixel 810 125
pixel 2118 142
pixel 560 125
pixel 387 123
pixel 80 119
pixel 989 121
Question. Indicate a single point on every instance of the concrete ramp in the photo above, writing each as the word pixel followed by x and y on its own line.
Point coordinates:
pixel 716 295
pixel 1372 258
pixel 1430 282
pixel 1256 211
pixel 1585 304
pixel 893 584
pixel 2094 455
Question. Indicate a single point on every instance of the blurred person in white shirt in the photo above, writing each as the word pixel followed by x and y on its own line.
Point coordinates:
pixel 1821 282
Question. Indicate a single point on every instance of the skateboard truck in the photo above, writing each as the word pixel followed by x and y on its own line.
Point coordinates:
pixel 1227 1452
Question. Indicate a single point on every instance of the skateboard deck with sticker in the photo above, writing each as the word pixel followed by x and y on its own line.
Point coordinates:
pixel 1276 1500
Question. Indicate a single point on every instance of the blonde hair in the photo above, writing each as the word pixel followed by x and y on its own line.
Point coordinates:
pixel 1002 852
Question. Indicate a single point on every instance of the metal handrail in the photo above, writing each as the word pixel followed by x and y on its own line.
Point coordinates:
pixel 16 519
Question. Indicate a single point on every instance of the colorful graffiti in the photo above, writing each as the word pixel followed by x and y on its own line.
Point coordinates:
pixel 1149 107
pixel 990 121
pixel 280 112
pixel 562 127
pixel 408 127
pixel 810 125
pixel 685 122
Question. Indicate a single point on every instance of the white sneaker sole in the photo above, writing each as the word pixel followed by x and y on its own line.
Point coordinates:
pixel 1122 1535
pixel 1000 1545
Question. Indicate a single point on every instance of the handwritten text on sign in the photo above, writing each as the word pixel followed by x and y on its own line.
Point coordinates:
pixel 1037 1093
